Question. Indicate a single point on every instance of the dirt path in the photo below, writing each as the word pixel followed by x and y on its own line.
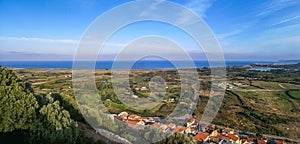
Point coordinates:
pixel 281 86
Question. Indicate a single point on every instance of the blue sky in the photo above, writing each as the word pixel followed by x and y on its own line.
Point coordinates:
pixel 246 30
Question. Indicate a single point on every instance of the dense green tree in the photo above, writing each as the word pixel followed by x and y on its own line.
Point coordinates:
pixel 17 104
pixel 29 118
pixel 178 138
pixel 53 124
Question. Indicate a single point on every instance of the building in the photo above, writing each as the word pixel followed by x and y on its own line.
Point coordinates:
pixel 190 122
pixel 234 138
pixel 180 129
pixel 171 125
pixel 123 115
pixel 201 137
pixel 134 117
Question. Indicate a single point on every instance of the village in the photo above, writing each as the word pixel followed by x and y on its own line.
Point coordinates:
pixel 201 133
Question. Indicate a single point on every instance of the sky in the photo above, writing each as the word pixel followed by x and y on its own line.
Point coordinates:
pixel 266 30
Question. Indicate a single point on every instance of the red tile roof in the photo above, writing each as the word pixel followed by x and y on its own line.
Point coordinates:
pixel 233 137
pixel 280 142
pixel 201 136
pixel 133 122
pixel 224 137
pixel 134 117
pixel 179 129
pixel 171 125
pixel 190 130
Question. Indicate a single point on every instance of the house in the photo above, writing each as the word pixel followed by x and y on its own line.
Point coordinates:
pixel 132 122
pixel 171 125
pixel 123 115
pixel 248 141
pixel 214 139
pixel 194 125
pixel 201 137
pixel 190 122
pixel 192 131
pixel 179 129
pixel 134 117
pixel 210 128
pixel 279 142
pixel 141 123
pixel 214 133
pixel 162 127
pixel 234 138
pixel 136 124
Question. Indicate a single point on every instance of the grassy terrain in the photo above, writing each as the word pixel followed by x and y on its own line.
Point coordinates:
pixel 269 110
pixel 268 103
pixel 295 94
pixel 267 85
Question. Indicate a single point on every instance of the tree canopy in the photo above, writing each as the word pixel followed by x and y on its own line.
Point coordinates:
pixel 33 118
pixel 17 104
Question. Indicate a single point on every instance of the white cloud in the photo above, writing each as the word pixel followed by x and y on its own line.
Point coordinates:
pixel 151 8
pixel 284 42
pixel 274 6
pixel 180 17
pixel 286 20
pixel 229 34
pixel 200 6
pixel 38 45
pixel 32 39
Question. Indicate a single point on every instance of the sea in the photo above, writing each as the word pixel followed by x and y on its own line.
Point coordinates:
pixel 145 64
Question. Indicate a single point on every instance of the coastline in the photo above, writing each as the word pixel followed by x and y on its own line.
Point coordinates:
pixel 140 65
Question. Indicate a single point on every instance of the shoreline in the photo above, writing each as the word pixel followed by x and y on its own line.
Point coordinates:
pixel 124 65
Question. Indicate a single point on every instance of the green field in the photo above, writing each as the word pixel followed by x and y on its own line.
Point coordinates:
pixel 269 107
pixel 295 94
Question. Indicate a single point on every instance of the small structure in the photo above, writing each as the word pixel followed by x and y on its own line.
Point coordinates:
pixel 134 117
pixel 190 122
pixel 171 125
pixel 143 89
pixel 214 133
pixel 179 129
pixel 233 138
pixel 192 131
pixel 201 137
pixel 123 115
